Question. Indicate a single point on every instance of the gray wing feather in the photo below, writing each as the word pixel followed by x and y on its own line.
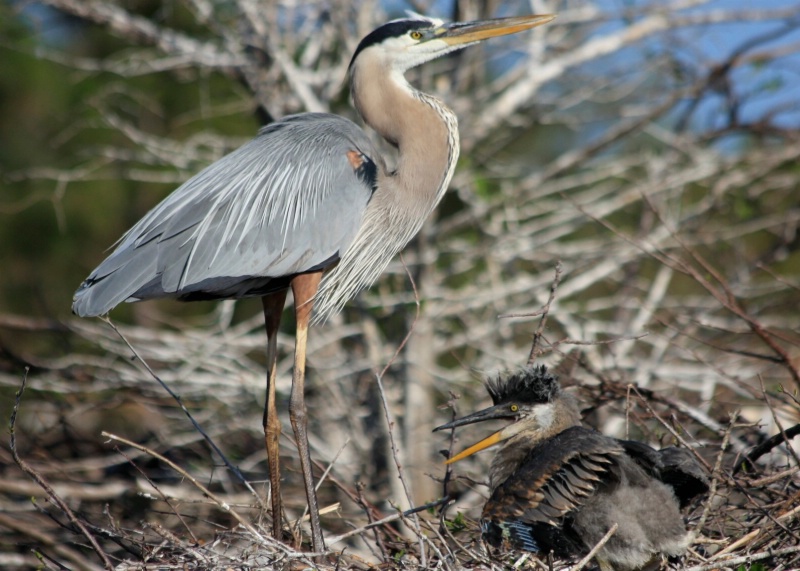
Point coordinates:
pixel 286 202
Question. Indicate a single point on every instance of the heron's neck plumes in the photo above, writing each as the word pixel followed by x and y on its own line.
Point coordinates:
pixel 425 133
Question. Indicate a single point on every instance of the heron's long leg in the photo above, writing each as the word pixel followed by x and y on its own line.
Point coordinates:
pixel 273 307
pixel 303 288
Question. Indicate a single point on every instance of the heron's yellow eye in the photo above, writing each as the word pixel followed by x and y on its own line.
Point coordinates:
pixel 415 35
pixel 514 408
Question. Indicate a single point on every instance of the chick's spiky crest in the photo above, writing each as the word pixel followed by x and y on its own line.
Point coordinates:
pixel 529 385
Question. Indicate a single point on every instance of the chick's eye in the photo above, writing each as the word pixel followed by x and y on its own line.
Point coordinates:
pixel 415 35
pixel 514 408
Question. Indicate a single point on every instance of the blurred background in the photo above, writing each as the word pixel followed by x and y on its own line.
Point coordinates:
pixel 649 147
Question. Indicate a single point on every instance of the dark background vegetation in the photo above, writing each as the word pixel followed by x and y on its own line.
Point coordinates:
pixel 650 148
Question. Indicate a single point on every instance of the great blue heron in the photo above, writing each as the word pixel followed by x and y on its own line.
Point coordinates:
pixel 310 195
pixel 558 486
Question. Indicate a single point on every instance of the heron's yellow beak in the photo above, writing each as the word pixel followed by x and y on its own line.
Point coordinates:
pixel 482 445
pixel 497 412
pixel 459 33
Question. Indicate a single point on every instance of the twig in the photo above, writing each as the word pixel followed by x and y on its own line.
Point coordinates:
pixel 772 478
pixel 671 430
pixel 744 540
pixel 582 563
pixel 448 473
pixel 413 323
pixel 330 465
pixel 766 446
pixel 443 560
pixel 627 411
pixel 390 423
pixel 164 496
pixel 219 501
pixel 535 352
pixel 363 503
pixel 35 533
pixel 321 479
pixel 55 498
pixel 569 341
pixel 188 414
pixel 398 464
pixel 778 423
pixel 712 488
pixel 389 519
pixel 744 559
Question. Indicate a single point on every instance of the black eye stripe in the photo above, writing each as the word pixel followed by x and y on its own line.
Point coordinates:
pixel 394 29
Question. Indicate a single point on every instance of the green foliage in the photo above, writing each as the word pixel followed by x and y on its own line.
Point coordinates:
pixel 72 181
pixel 458 523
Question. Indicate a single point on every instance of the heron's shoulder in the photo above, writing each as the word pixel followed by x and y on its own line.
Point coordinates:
pixel 310 133
pixel 320 123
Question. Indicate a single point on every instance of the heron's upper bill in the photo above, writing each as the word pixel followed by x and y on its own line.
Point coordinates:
pixel 468 32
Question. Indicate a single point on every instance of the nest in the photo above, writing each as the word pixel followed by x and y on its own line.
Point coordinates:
pixel 126 506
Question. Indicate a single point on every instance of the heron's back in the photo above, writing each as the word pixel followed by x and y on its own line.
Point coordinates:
pixel 287 202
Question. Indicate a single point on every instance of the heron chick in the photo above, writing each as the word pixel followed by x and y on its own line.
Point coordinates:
pixel 557 486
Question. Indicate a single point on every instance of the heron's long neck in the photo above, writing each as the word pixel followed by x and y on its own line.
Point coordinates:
pixel 422 128
pixel 425 133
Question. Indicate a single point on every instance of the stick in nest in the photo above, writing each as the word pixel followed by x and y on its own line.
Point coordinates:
pixel 55 498
pixel 234 470
pixel 582 563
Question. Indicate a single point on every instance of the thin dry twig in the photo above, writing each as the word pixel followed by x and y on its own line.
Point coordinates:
pixel 715 473
pixel 670 429
pixel 535 352
pixel 388 519
pixel 390 422
pixel 33 474
pixel 582 563
pixel 223 505
pixel 234 470
pixel 743 559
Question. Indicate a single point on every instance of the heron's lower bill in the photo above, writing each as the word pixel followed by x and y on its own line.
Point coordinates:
pixel 482 445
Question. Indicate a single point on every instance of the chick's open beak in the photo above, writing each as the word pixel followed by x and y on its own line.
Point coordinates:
pixel 491 413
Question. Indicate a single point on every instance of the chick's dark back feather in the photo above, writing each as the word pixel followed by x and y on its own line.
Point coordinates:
pixel 683 473
pixel 536 503
pixel 676 467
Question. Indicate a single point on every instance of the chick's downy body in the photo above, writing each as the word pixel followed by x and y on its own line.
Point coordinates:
pixel 557 486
